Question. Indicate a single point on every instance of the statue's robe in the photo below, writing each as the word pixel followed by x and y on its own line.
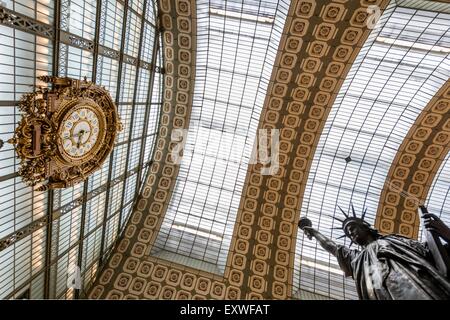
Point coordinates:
pixel 394 267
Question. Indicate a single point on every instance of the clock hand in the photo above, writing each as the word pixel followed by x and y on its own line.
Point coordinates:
pixel 81 133
pixel 79 138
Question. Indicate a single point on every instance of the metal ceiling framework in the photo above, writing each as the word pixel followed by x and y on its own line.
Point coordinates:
pixel 78 225
pixel 414 168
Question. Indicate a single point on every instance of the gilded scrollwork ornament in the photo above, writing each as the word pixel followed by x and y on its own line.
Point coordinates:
pixel 65 133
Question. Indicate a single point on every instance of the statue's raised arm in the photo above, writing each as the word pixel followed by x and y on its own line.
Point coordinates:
pixel 435 224
pixel 326 243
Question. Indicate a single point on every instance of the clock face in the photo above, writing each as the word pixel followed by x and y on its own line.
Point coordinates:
pixel 80 131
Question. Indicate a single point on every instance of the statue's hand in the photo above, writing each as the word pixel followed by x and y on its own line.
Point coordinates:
pixel 434 223
pixel 309 232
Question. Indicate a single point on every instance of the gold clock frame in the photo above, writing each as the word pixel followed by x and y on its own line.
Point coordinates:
pixel 70 107
pixel 37 137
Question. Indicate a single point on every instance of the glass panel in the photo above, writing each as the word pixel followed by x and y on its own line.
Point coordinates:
pixel 80 17
pixel 21 261
pixel 111 24
pixel 133 34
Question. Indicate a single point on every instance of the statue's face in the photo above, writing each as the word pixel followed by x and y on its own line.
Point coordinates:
pixel 360 234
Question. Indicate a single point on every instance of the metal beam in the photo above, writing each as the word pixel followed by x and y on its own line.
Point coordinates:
pixel 77 41
pixel 9 103
pixel 9 176
pixel 19 21
pixel 108 52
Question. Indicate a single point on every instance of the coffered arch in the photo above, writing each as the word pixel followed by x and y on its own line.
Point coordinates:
pixel 414 167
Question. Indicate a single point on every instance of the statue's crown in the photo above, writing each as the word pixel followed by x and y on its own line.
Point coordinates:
pixel 353 219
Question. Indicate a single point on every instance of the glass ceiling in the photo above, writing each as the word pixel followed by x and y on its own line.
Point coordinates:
pixel 84 229
pixel 399 69
pixel 237 42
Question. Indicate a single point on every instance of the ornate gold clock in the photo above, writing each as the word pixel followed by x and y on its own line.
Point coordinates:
pixel 65 133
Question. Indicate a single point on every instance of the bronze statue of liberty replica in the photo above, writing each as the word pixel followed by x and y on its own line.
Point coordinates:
pixel 391 267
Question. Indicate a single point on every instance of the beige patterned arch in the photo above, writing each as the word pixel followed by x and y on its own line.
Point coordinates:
pixel 320 41
pixel 417 161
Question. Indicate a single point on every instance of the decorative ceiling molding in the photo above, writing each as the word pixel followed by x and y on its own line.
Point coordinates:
pixel 412 172
pixel 321 40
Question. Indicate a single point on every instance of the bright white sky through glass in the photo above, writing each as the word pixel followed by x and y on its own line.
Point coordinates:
pixel 386 89
pixel 237 43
